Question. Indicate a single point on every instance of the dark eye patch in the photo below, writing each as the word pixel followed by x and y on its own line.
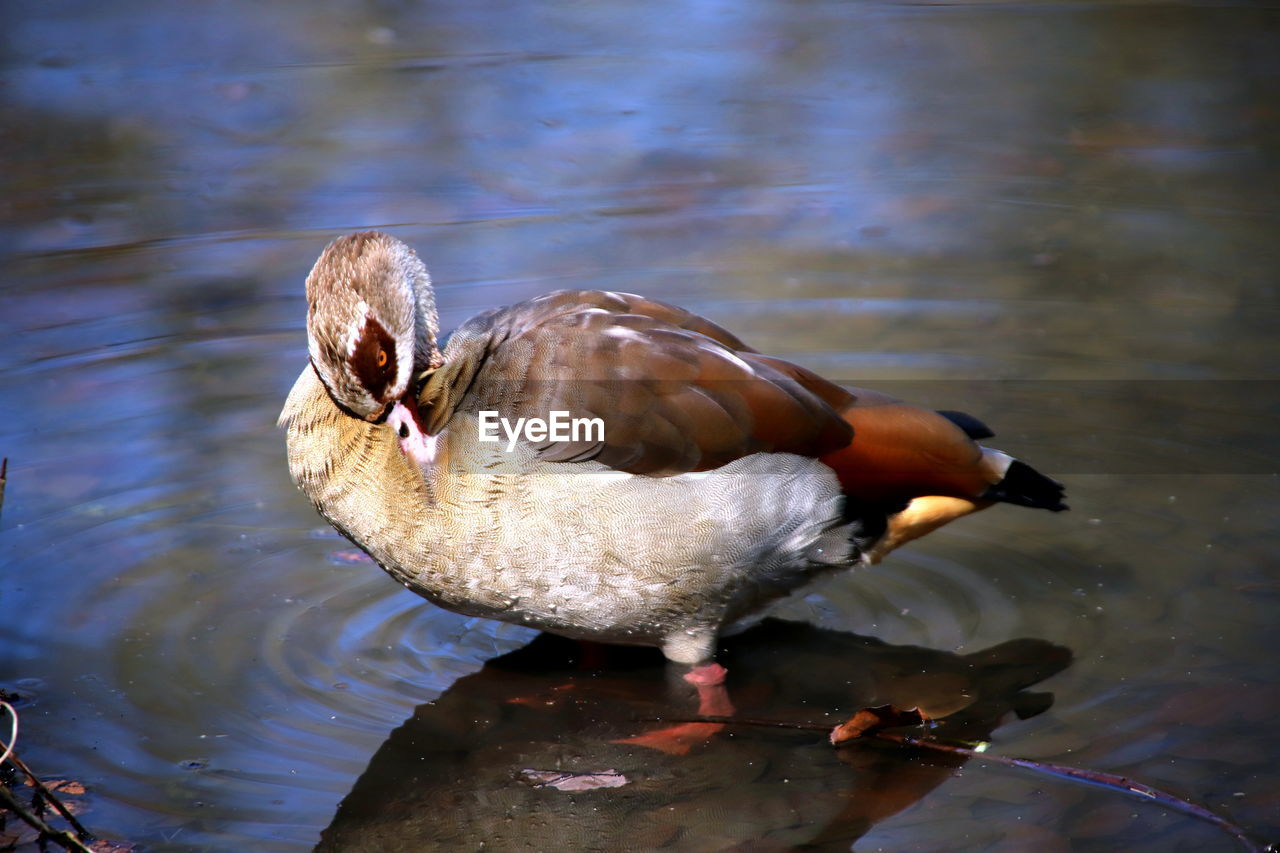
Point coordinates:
pixel 364 360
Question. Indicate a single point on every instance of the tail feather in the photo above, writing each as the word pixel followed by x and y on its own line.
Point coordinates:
pixel 1025 486
pixel 972 427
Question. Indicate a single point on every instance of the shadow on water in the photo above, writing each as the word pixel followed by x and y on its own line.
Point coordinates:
pixel 466 772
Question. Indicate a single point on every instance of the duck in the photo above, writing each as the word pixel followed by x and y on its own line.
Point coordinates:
pixel 708 481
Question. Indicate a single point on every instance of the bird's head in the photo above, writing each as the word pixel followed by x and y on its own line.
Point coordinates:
pixel 372 328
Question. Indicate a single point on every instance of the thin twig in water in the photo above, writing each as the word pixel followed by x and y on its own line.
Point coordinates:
pixel 47 794
pixel 1090 777
pixel 52 798
pixel 13 732
pixel 1111 781
pixel 60 837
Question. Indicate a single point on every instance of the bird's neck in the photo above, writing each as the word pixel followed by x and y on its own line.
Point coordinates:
pixel 355 474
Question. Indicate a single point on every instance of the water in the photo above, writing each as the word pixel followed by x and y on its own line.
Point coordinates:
pixel 1060 217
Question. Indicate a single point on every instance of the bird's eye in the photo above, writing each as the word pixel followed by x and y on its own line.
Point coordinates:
pixel 382 357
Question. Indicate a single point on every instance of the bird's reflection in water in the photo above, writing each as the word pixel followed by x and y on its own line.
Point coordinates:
pixel 477 768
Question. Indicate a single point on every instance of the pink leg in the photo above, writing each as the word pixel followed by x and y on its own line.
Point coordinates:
pixel 713 701
pixel 713 698
pixel 707 674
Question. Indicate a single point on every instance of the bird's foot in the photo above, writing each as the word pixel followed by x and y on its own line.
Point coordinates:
pixel 713 701
pixel 707 674
pixel 713 697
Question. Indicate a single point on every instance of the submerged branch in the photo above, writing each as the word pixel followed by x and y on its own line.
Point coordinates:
pixel 61 837
pixel 1111 781
pixel 13 732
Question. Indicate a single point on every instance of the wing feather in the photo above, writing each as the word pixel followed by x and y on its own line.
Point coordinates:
pixel 675 391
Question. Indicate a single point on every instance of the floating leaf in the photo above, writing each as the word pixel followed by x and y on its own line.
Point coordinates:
pixel 563 781
pixel 868 721
pixel 65 786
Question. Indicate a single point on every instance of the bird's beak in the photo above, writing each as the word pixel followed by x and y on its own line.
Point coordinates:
pixel 406 420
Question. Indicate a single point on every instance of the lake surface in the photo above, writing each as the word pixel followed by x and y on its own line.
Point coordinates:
pixel 1061 217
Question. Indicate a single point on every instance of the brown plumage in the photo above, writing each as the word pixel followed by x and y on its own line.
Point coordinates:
pixel 723 478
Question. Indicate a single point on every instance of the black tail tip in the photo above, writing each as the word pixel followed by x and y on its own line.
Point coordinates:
pixel 1025 486
pixel 972 427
